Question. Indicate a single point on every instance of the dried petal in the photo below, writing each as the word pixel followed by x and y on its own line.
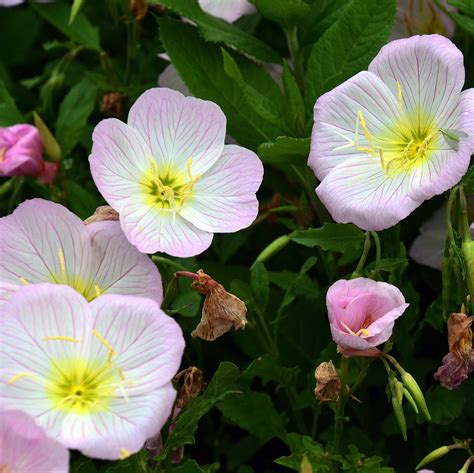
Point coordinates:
pixel 192 385
pixel 328 384
pixel 112 104
pixel 104 212
pixel 460 334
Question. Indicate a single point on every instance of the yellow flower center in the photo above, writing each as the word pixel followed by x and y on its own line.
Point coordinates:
pixel 168 190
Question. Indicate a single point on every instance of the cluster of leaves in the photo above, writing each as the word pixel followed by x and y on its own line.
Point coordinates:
pixel 258 412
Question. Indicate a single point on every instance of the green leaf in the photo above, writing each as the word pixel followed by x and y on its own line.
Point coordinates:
pixel 74 111
pixel 192 467
pixel 464 22
pixel 75 9
pixel 266 109
pixel 468 181
pixel 217 30
pixel 445 406
pixel 188 301
pixel 83 465
pixel 255 413
pixel 336 237
pixel 201 67
pixel 285 151
pixel 296 117
pixel 81 31
pixel 9 114
pixel 260 285
pixel 348 46
pixel 285 12
pixel 269 369
pixel 82 202
pixel 466 6
pixel 221 385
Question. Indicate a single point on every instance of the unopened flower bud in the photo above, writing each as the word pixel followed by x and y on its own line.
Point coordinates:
pixel 465 467
pixel 221 310
pixel 410 400
pixel 412 386
pixel 434 455
pixel 400 416
pixel 102 213
pixel 328 384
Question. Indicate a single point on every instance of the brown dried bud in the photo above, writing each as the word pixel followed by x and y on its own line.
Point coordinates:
pixel 192 385
pixel 139 9
pixel 102 213
pixel 328 384
pixel 221 310
pixel 459 362
pixel 112 104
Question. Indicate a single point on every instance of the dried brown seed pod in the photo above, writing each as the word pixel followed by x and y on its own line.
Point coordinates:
pixel 328 384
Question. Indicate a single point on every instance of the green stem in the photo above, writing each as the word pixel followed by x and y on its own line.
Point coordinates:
pixel 341 405
pixel 378 254
pixel 360 378
pixel 273 248
pixel 168 262
pixel 314 426
pixel 449 211
pixel 360 267
pixel 292 39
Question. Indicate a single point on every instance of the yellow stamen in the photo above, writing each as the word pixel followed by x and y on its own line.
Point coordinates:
pixel 362 331
pixel 400 96
pixel 61 338
pixel 120 373
pixel 367 134
pixel 124 453
pixel 62 263
pixel 20 376
pixel 98 291
pixel 2 154
pixel 111 351
pixel 24 281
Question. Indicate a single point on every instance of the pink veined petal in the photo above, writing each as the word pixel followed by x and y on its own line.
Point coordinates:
pixel 152 229
pixel 149 347
pixel 25 448
pixel 22 165
pixel 446 167
pixel 224 198
pixel 33 239
pixel 429 69
pixel 228 10
pixel 124 428
pixel 336 117
pixel 177 128
pixel 119 159
pixel 119 268
pixel 7 289
pixel 358 191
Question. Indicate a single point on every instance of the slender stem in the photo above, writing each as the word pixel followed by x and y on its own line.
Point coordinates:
pixel 293 47
pixel 360 267
pixel 168 262
pixel 273 248
pixel 187 274
pixel 361 376
pixel 272 348
pixel 449 210
pixel 378 254
pixel 341 405
pixel 317 413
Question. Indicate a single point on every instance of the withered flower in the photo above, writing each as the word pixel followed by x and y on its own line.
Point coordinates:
pixel 328 384
pixel 112 104
pixel 459 362
pixel 102 213
pixel 221 310
pixel 192 385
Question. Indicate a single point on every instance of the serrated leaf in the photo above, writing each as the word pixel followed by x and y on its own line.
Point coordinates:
pixel 81 31
pixel 285 12
pixel 201 67
pixel 348 46
pixel 336 237
pixel 219 31
pixel 9 113
pixel 192 467
pixel 269 369
pixel 285 150
pixel 74 111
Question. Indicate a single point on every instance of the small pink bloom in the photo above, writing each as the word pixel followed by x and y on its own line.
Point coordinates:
pixel 362 313
pixel 228 10
pixel 24 447
pixel 21 154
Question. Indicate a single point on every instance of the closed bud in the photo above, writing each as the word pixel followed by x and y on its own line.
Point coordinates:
pixel 410 400
pixel 465 467
pixel 400 416
pixel 413 388
pixel 434 455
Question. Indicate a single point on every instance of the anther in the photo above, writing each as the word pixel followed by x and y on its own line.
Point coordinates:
pixel 111 351
pixel 124 453
pixel 62 263
pixel 20 376
pixel 61 338
pixel 400 96
pixel 24 281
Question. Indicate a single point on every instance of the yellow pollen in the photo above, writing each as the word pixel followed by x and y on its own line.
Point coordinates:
pixel 61 338
pixel 24 281
pixel 62 264
pixel 400 96
pixel 111 351
pixel 124 453
pixel 98 292
pixel 20 376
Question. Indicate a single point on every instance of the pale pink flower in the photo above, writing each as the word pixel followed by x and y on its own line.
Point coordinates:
pixel 169 175
pixel 362 314
pixel 95 376
pixel 228 10
pixel 24 447
pixel 14 3
pixel 21 154
pixel 44 242
pixel 388 139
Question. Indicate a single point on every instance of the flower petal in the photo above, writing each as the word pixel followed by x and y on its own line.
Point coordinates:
pixel 177 128
pixel 224 198
pixel 429 69
pixel 336 117
pixel 358 191
pixel 120 267
pixel 119 159
pixel 41 241
pixel 151 229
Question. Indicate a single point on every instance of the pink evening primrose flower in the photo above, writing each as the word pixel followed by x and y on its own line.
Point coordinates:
pixel 44 242
pixel 393 136
pixel 95 376
pixel 362 313
pixel 228 10
pixel 24 447
pixel 169 175
pixel 14 3
pixel 21 154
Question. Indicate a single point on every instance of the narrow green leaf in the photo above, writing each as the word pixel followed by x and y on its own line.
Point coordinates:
pixel 50 144
pixel 81 31
pixel 75 9
pixel 260 285
pixel 466 6
pixel 74 112
pixel 296 117
pixel 217 30
pixel 9 113
pixel 464 22
pixel 348 46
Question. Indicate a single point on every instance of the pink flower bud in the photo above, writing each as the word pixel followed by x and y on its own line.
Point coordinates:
pixel 21 154
pixel 362 313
